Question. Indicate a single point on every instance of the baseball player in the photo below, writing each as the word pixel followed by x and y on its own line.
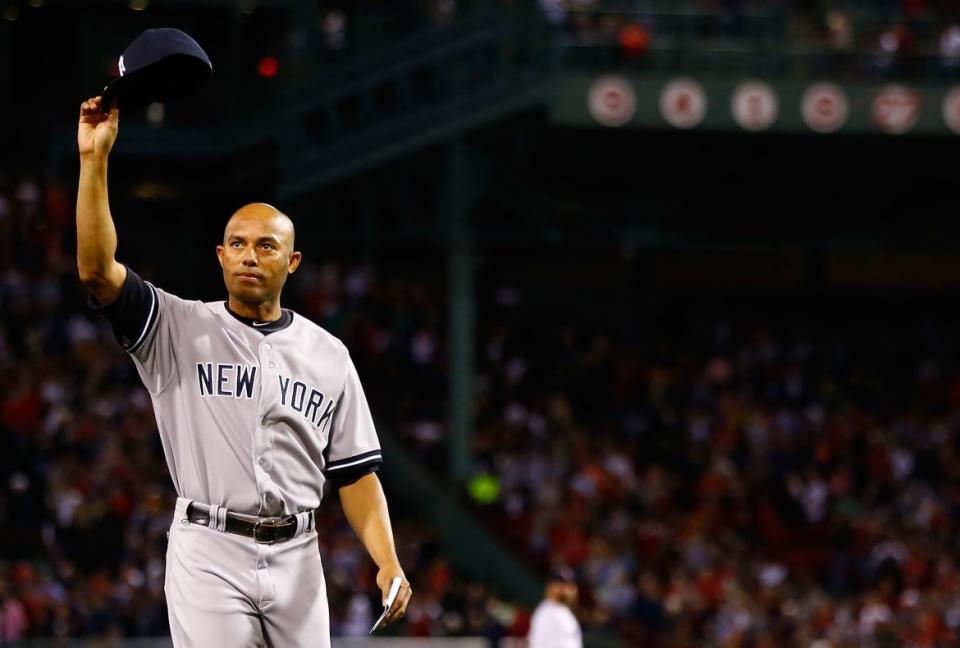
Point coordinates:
pixel 553 624
pixel 257 407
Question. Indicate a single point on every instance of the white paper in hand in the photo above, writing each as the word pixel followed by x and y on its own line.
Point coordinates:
pixel 391 597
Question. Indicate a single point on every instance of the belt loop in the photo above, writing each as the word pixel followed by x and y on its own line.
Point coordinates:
pixel 303 523
pixel 212 512
pixel 218 518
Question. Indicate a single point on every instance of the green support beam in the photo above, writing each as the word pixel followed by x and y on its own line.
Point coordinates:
pixel 462 315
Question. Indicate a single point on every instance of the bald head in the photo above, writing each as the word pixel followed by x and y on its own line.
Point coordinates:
pixel 256 256
pixel 278 223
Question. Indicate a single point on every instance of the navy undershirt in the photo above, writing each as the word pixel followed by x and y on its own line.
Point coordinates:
pixel 128 313
pixel 265 326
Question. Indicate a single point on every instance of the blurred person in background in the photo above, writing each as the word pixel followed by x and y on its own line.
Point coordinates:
pixel 553 624
pixel 950 48
pixel 893 48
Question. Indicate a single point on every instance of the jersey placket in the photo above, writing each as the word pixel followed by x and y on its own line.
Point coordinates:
pixel 263 441
pixel 263 446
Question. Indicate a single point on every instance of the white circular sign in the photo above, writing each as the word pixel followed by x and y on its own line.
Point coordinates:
pixel 612 101
pixel 951 110
pixel 824 107
pixel 895 109
pixel 754 105
pixel 683 103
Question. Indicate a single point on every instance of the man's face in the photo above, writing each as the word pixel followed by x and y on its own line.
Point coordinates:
pixel 256 256
pixel 568 594
pixel 563 592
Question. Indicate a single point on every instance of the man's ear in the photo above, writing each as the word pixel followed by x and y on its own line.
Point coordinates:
pixel 220 255
pixel 295 258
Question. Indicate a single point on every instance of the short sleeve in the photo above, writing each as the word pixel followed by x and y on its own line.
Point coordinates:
pixel 132 313
pixel 353 449
pixel 145 321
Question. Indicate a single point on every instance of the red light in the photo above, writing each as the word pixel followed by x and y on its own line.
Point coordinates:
pixel 268 67
pixel 634 39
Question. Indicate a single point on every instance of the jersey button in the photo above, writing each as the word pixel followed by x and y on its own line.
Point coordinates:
pixel 267 346
pixel 263 463
pixel 271 365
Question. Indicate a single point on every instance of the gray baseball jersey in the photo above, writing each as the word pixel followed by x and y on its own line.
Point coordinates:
pixel 253 416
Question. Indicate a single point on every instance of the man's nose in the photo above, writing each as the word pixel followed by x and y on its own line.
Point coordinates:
pixel 249 256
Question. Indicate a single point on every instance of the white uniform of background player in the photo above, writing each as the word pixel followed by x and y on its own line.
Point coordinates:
pixel 254 416
pixel 553 624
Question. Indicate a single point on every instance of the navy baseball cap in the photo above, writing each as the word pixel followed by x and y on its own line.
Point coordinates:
pixel 562 574
pixel 159 65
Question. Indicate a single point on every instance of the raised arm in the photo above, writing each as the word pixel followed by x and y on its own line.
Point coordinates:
pixel 96 236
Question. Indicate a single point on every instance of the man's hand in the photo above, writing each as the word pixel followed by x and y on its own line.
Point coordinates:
pixel 384 577
pixel 97 130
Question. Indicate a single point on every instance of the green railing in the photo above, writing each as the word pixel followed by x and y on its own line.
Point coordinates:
pixel 482 66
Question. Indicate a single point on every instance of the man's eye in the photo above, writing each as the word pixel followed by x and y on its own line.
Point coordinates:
pixel 267 246
pixel 235 244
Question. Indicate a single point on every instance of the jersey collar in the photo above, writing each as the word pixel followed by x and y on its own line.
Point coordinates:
pixel 265 327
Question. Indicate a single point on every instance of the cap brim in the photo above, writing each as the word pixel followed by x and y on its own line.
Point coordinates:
pixel 113 92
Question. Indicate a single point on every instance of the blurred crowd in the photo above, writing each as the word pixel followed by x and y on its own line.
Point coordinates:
pixel 731 482
pixel 85 496
pixel 871 38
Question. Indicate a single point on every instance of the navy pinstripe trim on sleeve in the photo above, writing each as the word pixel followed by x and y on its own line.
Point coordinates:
pixel 346 477
pixel 355 460
pixel 344 472
pixel 151 319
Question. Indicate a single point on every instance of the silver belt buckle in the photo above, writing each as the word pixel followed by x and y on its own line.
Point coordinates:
pixel 265 530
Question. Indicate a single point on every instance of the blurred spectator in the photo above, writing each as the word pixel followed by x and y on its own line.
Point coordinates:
pixel 333 26
pixel 13 617
pixel 893 45
pixel 950 48
pixel 840 31
pixel 554 10
pixel 442 11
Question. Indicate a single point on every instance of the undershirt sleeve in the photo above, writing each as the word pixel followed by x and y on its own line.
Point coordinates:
pixel 132 313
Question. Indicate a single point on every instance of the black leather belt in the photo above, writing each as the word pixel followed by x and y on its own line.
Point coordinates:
pixel 264 531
